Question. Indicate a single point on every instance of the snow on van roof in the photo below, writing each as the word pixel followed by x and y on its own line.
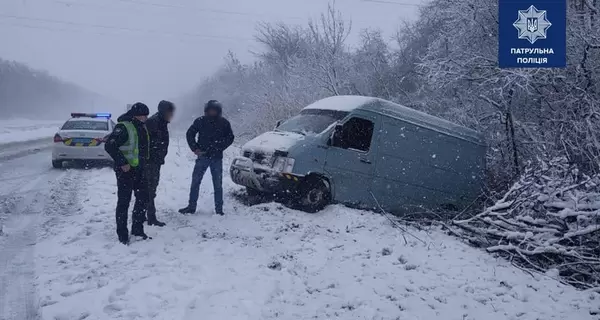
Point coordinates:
pixel 340 103
pixel 385 107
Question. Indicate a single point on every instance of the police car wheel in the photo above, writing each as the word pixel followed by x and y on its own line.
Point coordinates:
pixel 314 196
pixel 57 164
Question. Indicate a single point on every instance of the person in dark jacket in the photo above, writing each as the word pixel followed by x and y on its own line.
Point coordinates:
pixel 208 137
pixel 128 145
pixel 159 146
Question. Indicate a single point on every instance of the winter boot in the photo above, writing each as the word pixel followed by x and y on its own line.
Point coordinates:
pixel 220 212
pixel 137 230
pixel 187 210
pixel 155 222
pixel 152 221
pixel 123 236
pixel 140 234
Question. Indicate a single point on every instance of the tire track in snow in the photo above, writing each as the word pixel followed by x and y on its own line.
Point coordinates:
pixel 63 200
pixel 16 177
pixel 18 299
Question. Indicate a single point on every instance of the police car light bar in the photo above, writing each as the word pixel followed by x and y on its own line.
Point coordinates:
pixel 90 115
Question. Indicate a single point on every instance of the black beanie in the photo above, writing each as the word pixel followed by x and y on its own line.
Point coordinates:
pixel 166 106
pixel 139 109
pixel 213 104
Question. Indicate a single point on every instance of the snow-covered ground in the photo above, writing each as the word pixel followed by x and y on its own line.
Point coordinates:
pixel 269 262
pixel 17 130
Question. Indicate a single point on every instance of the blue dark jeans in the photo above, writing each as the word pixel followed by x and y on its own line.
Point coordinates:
pixel 216 171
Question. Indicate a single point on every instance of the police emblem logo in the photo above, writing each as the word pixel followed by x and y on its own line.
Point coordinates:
pixel 532 24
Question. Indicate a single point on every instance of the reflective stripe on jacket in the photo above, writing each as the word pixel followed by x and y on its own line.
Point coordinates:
pixel 131 149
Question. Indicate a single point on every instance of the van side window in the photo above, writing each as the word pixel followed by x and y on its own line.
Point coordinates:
pixel 356 134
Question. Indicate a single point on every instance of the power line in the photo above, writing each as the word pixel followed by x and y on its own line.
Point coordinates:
pixel 205 10
pixel 205 36
pixel 21 25
pixel 180 7
pixel 86 31
pixel 142 2
pixel 146 3
pixel 394 2
pixel 154 32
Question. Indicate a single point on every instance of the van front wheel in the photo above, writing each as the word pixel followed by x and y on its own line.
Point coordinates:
pixel 314 195
pixel 254 193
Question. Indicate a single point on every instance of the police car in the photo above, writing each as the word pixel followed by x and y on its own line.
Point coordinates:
pixel 82 138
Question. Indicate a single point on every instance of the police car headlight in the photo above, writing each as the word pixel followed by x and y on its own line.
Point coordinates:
pixel 283 164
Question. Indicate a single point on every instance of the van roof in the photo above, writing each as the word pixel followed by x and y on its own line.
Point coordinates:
pixel 391 109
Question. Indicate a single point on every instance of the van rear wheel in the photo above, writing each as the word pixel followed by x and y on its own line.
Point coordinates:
pixel 314 195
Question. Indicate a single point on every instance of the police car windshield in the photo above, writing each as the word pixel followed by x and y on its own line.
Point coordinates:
pixel 312 121
pixel 85 125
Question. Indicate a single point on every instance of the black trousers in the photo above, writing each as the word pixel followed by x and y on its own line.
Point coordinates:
pixel 127 182
pixel 153 174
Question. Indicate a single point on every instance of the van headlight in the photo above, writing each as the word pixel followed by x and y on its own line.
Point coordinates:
pixel 283 164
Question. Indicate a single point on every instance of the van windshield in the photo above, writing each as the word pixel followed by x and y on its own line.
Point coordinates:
pixel 312 121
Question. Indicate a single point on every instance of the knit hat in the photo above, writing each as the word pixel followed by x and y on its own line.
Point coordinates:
pixel 215 105
pixel 166 106
pixel 139 109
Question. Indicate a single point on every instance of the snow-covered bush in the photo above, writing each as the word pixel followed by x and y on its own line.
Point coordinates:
pixel 548 220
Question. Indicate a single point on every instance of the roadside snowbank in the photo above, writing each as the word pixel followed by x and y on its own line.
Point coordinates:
pixel 17 130
pixel 270 262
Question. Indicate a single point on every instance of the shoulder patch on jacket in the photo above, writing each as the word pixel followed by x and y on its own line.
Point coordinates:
pixel 118 129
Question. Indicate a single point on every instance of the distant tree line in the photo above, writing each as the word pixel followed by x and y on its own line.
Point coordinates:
pixel 29 93
pixel 444 63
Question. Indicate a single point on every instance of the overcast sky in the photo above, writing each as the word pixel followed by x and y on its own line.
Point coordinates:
pixel 153 49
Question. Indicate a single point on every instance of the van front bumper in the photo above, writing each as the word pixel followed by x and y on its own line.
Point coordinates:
pixel 245 173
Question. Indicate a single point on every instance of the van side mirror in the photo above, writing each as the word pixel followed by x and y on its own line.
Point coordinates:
pixel 278 123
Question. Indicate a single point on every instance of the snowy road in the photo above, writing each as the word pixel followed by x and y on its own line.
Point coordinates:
pixel 27 185
pixel 259 262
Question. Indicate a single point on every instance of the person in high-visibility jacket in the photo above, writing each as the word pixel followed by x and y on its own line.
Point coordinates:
pixel 128 145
